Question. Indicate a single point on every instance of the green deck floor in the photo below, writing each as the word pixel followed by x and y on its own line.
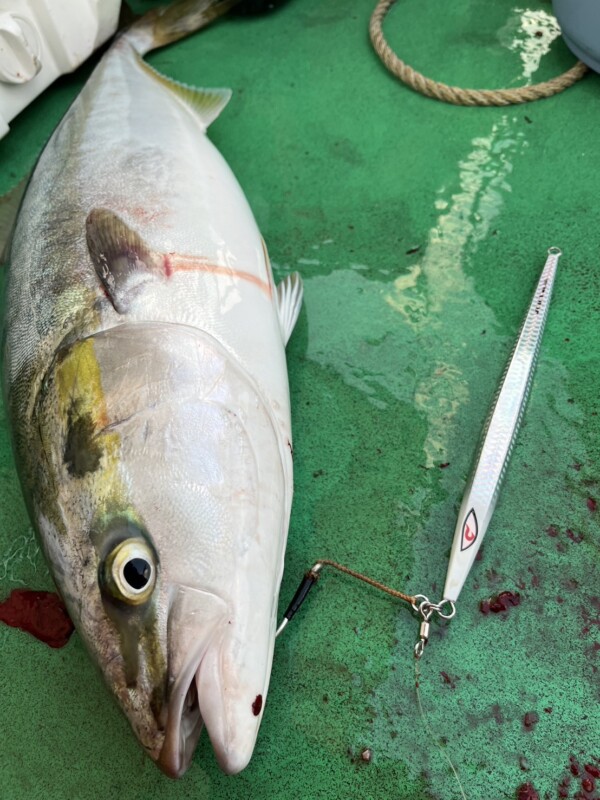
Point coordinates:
pixel 392 368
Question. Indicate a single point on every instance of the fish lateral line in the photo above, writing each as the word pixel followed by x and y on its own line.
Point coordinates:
pixel 174 263
pixel 121 257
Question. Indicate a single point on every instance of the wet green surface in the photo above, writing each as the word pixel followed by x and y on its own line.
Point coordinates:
pixel 392 368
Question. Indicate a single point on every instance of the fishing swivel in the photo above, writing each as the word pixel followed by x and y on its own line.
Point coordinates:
pixel 423 606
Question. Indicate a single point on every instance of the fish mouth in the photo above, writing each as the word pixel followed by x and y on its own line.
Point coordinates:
pixel 218 683
pixel 184 724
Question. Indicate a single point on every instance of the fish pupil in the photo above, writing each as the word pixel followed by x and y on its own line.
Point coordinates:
pixel 137 573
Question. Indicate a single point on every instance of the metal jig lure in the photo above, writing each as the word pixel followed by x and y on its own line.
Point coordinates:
pixel 483 488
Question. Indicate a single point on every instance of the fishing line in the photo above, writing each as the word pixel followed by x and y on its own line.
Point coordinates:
pixel 481 493
pixel 309 580
pixel 430 731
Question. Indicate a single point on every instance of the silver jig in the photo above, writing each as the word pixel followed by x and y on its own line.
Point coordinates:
pixel 497 443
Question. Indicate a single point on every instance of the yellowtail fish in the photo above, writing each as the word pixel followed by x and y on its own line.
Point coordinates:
pixel 147 392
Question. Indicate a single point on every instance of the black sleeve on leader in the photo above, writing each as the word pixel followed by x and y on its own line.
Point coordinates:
pixel 309 580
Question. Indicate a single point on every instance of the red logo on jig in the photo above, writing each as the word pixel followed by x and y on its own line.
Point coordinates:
pixel 469 531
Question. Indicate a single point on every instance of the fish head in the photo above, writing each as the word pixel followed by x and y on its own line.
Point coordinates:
pixel 166 531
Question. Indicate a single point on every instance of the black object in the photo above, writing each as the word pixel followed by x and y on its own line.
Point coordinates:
pixel 308 582
pixel 247 8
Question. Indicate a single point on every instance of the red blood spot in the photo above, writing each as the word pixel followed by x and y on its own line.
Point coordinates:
pixel 576 466
pixel 588 785
pixel 592 651
pixel 591 504
pixel 479 555
pixel 42 614
pixel 563 786
pixel 257 705
pixel 535 581
pixel 548 710
pixel 167 266
pixel 500 602
pixel 574 766
pixel 552 531
pixel 574 537
pixel 592 770
pixel 444 465
pixel 527 792
pixel 530 720
pixel 449 680
pixel 589 618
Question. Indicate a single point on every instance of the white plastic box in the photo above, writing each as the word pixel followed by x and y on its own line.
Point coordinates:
pixel 42 39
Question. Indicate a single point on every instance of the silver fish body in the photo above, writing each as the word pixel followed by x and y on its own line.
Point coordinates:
pixel 147 393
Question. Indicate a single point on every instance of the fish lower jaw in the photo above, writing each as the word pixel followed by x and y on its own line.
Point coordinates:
pixel 195 694
pixel 184 726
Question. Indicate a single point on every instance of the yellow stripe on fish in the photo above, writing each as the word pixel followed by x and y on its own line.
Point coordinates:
pixel 91 450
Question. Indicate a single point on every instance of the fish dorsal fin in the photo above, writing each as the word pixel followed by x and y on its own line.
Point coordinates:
pixel 289 302
pixel 206 103
pixel 121 258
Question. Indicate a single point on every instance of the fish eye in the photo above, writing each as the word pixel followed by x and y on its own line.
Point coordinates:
pixel 130 572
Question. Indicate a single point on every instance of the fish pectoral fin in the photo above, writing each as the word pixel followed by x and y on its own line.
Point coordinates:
pixel 121 258
pixel 207 104
pixel 289 302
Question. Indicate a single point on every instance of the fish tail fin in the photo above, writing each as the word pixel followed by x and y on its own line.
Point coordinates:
pixel 161 26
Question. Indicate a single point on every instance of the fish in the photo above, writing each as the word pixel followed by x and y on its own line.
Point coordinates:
pixel 147 394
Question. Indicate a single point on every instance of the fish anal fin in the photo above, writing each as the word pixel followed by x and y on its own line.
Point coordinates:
pixel 289 302
pixel 120 256
pixel 207 104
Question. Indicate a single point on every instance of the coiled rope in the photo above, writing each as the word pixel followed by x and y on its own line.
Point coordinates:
pixel 454 94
